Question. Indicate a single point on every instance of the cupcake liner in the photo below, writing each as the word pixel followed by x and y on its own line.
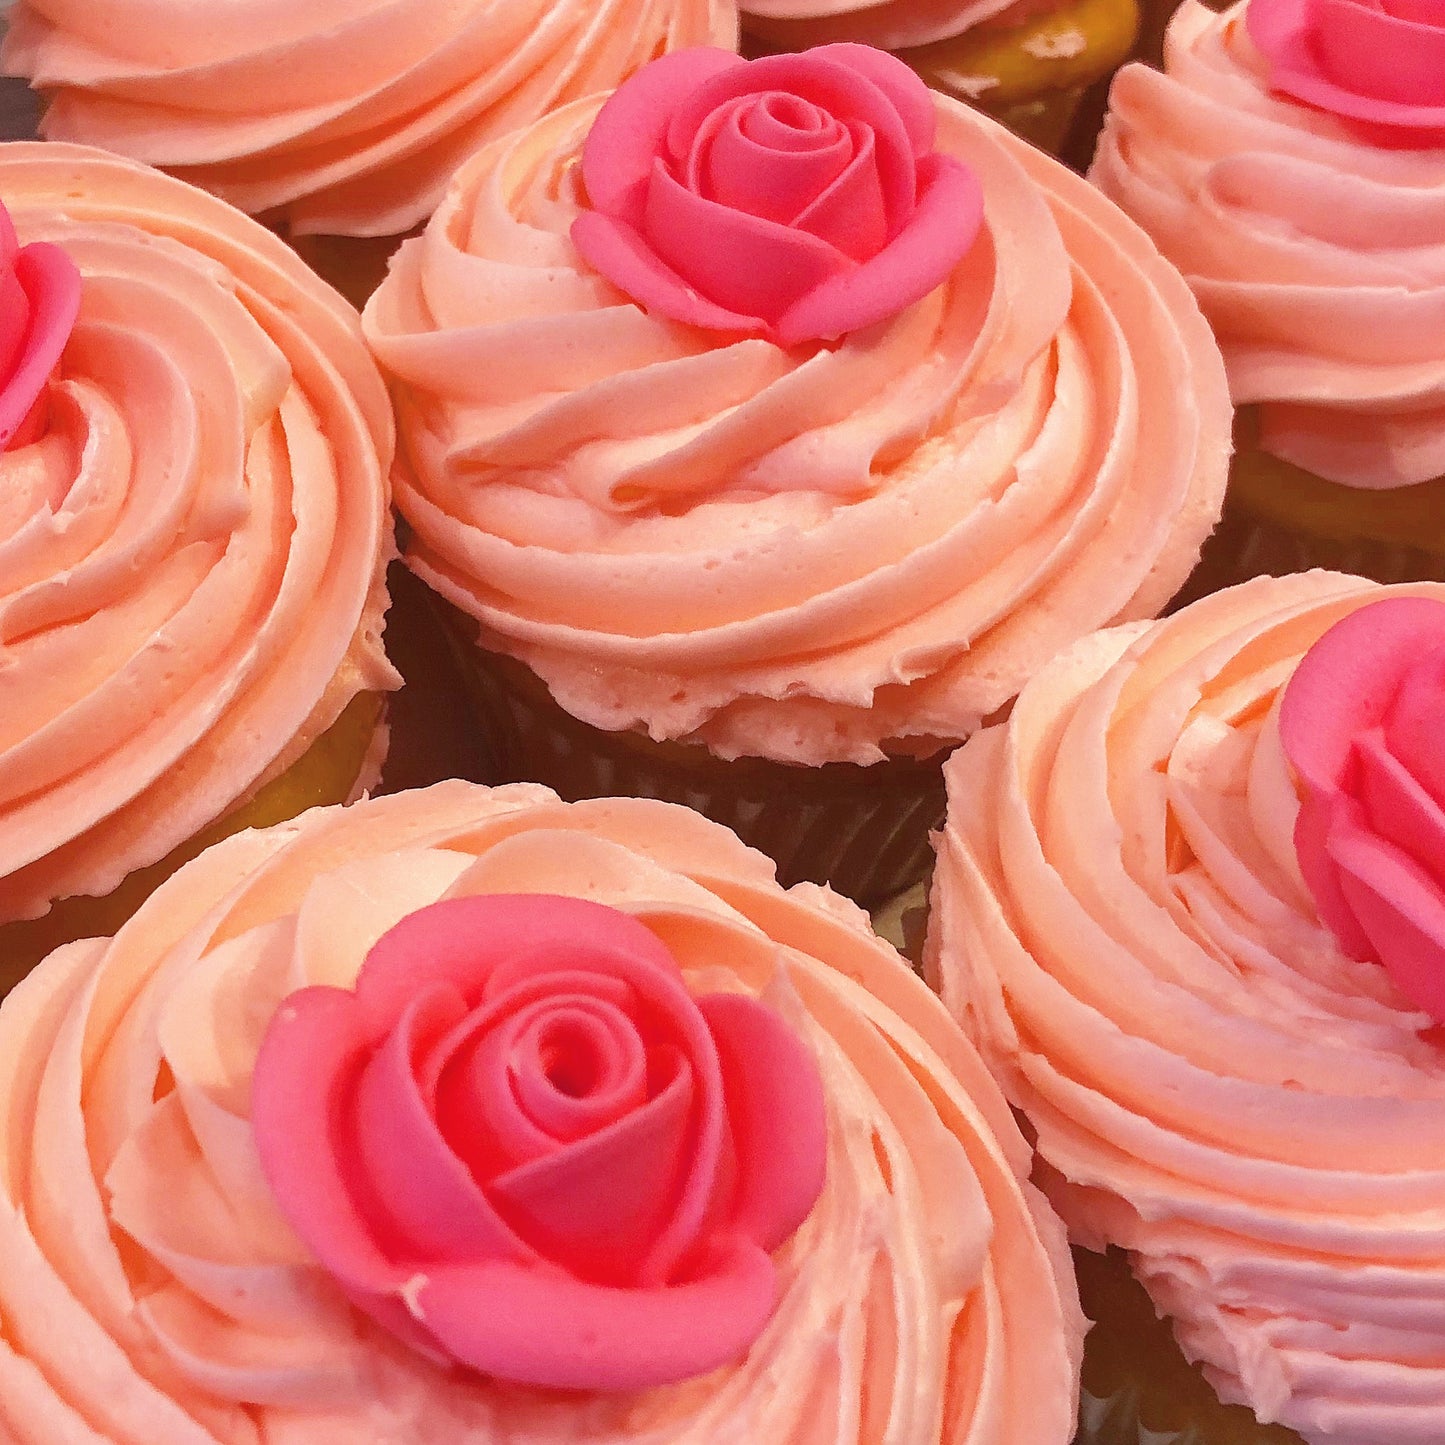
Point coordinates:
pixel 1138 1389
pixel 341 764
pixel 354 265
pixel 862 830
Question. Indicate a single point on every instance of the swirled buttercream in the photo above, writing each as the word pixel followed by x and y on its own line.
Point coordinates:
pixel 798 554
pixel 1315 249
pixel 152 1290
pixel 1218 1086
pixel 337 116
pixel 191 552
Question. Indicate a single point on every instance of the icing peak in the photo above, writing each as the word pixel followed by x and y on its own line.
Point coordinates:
pixel 796 197
pixel 1380 62
pixel 1360 723
pixel 522 1145
pixel 39 301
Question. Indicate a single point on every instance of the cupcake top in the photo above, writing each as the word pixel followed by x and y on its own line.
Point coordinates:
pixel 472 1115
pixel 1191 904
pixel 788 408
pixel 342 117
pixel 193 517
pixel 1291 161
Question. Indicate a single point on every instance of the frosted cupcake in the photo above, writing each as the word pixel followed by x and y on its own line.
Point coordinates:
pixel 774 425
pixel 1025 62
pixel 472 1116
pixel 1291 161
pixel 335 119
pixel 193 531
pixel 1189 905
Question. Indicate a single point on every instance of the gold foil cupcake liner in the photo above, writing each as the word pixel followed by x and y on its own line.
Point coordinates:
pixel 862 830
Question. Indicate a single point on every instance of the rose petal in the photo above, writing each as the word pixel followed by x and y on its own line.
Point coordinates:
pixel 426 1200
pixel 305 1072
pixel 620 253
pixel 828 81
pixel 1345 683
pixel 597 1206
pixel 849 214
pixel 940 233
pixel 1314 828
pixel 748 169
pixel 628 134
pixel 561 1333
pixel 910 96
pixel 1400 909
pixel 14 320
pixel 1397 807
pixel 51 283
pixel 777 1115
pixel 1412 724
pixel 1377 54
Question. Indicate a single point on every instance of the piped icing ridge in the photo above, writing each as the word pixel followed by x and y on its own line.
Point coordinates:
pixel 1122 922
pixel 192 546
pixel 1310 235
pixel 337 116
pixel 799 554
pixel 928 1294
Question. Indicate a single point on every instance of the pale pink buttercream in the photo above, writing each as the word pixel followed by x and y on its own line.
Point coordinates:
pixel 1121 921
pixel 801 554
pixel 1316 250
pixel 336 116
pixel 151 1291
pixel 191 552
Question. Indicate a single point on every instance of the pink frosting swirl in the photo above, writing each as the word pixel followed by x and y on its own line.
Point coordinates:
pixel 1123 922
pixel 337 116
pixel 1313 248
pixel 1361 727
pixel 192 549
pixel 39 301
pixel 823 553
pixel 521 1106
pixel 151 1289
pixel 813 176
pixel 1377 61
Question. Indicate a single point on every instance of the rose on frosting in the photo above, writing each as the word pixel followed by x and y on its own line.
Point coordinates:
pixel 1361 726
pixel 796 197
pixel 39 301
pixel 522 1145
pixel 1381 62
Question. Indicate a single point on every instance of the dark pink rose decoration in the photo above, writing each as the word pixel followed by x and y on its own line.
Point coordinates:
pixel 39 301
pixel 523 1146
pixel 1361 723
pixel 1377 62
pixel 796 197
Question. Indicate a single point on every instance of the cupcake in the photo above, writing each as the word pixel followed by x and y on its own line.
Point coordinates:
pixel 1290 160
pixel 193 531
pixel 468 1115
pixel 1189 905
pixel 1025 62
pixel 763 514
pixel 338 123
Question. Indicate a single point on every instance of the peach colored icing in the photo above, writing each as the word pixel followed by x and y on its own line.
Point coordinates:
pixel 191 553
pixel 1314 249
pixel 338 116
pixel 1121 922
pixel 800 554
pixel 893 24
pixel 150 1290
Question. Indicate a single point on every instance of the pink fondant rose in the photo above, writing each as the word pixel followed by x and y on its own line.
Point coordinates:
pixel 1361 723
pixel 523 1146
pixel 39 301
pixel 796 197
pixel 1380 62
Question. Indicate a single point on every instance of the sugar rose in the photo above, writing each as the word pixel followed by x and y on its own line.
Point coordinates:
pixel 797 197
pixel 1360 724
pixel 522 1125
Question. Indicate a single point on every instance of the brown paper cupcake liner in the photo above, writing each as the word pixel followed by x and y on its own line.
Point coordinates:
pixel 862 830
